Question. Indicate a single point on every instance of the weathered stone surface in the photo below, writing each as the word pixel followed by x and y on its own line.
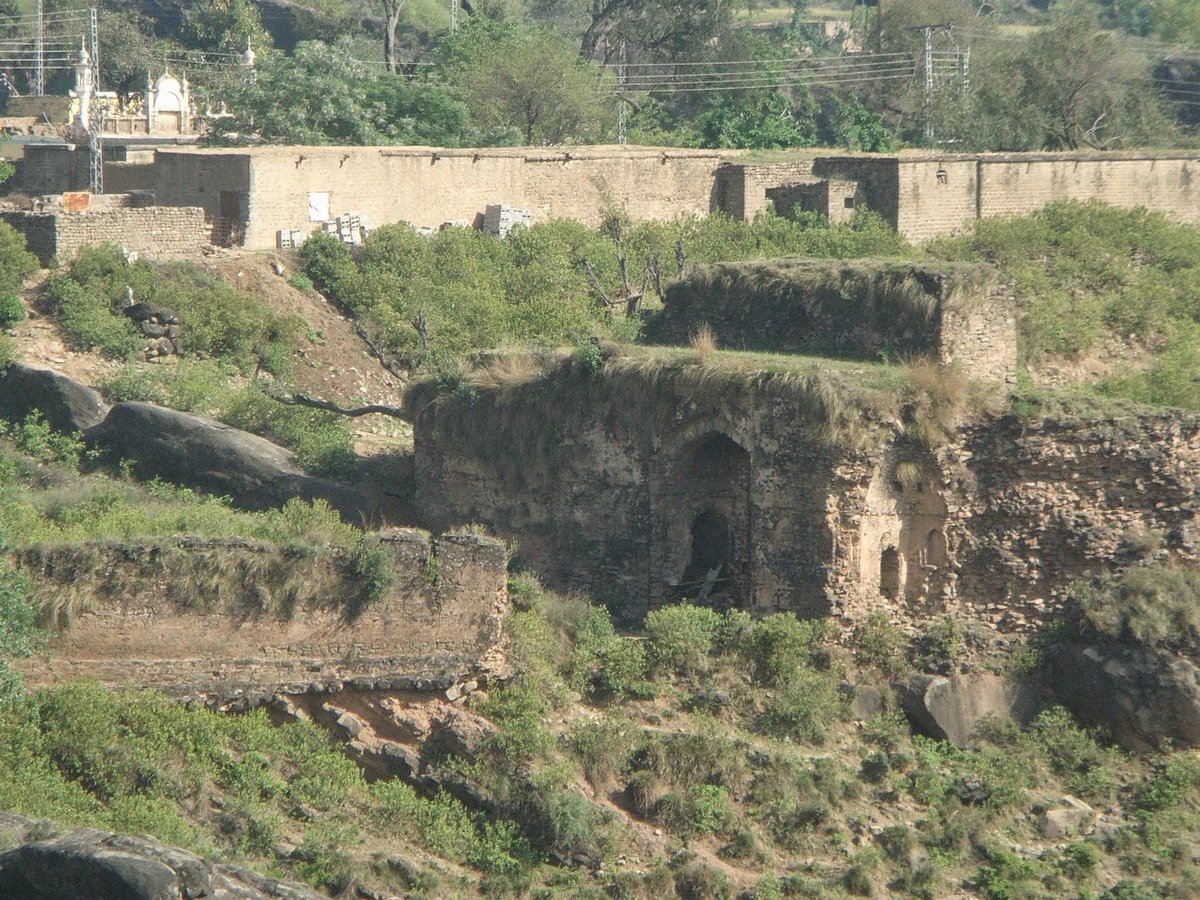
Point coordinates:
pixel 210 456
pixel 457 732
pixel 1141 697
pixel 66 405
pixel 104 866
pixel 1065 819
pixel 242 621
pixel 952 709
pixel 865 702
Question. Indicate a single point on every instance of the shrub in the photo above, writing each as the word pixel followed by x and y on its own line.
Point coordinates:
pixel 879 643
pixel 34 437
pixel 12 310
pixel 681 637
pixel 604 748
pixel 780 645
pixel 805 709
pixel 1155 606
pixel 700 810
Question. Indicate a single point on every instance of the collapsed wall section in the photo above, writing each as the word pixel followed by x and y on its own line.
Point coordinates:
pixel 227 617
pixel 864 308
pixel 1042 503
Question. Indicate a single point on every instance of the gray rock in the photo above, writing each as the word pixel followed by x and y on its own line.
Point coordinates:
pixel 103 866
pixel 66 405
pixel 1141 697
pixel 1068 818
pixel 952 708
pixel 207 455
pixel 865 702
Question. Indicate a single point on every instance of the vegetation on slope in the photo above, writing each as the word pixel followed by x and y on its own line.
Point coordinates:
pixel 1091 279
pixel 710 757
pixel 231 342
pixel 431 300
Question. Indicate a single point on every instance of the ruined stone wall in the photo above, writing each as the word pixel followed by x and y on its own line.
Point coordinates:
pixel 938 197
pixel 1040 504
pixel 743 189
pixel 633 487
pixel 226 616
pixel 859 308
pixel 155 231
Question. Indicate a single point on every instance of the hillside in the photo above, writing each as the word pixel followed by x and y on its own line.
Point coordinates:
pixel 703 751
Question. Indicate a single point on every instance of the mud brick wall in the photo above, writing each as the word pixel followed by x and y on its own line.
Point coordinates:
pixel 223 617
pixel 156 231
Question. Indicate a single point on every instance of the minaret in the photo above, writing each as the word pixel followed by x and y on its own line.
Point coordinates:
pixel 83 86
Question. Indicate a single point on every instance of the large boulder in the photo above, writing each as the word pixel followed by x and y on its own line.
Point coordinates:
pixel 103 866
pixel 1141 697
pixel 66 405
pixel 953 708
pixel 210 456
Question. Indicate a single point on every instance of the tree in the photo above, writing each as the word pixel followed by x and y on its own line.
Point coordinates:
pixel 660 28
pixel 320 95
pixel 392 10
pixel 531 80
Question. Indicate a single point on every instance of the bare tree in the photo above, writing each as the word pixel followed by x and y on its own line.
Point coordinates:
pixel 392 10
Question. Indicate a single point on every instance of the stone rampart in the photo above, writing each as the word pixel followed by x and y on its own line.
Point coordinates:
pixel 672 475
pixel 228 617
pixel 858 308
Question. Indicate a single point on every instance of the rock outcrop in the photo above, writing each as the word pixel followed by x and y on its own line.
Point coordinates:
pixel 1141 697
pixel 66 405
pixel 952 709
pixel 216 458
pixel 104 866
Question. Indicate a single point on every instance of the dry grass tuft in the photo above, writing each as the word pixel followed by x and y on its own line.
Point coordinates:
pixel 703 342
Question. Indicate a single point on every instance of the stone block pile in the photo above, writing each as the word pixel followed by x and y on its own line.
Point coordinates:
pixel 161 326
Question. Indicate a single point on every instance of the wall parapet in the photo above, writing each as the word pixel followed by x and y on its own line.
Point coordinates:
pixel 226 617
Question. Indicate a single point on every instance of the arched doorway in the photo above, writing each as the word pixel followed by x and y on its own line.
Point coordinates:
pixel 710 569
pixel 889 573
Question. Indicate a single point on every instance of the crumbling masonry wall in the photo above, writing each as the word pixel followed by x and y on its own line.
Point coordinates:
pixel 223 617
pixel 863 308
pixel 634 487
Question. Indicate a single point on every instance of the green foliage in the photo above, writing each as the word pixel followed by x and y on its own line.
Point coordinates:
pixel 1087 273
pixel 701 810
pixel 321 94
pixel 12 310
pixel 16 264
pixel 1074 754
pixel 942 645
pixel 432 300
pixel 34 437
pixel 681 637
pixel 218 320
pixel 805 709
pixel 603 747
pixel 531 80
pixel 879 643
pixel 1155 606
pixel 374 564
pixel 780 646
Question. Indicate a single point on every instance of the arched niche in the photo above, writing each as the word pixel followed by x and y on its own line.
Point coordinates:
pixel 902 538
pixel 709 510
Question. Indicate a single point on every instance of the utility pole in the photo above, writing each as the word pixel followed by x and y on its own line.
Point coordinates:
pixel 96 117
pixel 453 16
pixel 929 83
pixel 623 106
pixel 39 72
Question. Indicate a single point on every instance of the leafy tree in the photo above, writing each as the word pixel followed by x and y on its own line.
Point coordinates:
pixel 320 95
pixel 853 125
pixel 531 80
pixel 659 28
pixel 392 10
pixel 752 120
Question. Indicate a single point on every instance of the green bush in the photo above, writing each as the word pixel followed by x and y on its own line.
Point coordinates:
pixel 12 310
pixel 805 709
pixel 603 747
pixel 700 810
pixel 879 643
pixel 681 637
pixel 34 437
pixel 780 646
pixel 1154 606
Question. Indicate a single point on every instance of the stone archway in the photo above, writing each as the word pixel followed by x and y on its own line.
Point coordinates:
pixel 902 538
pixel 710 496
